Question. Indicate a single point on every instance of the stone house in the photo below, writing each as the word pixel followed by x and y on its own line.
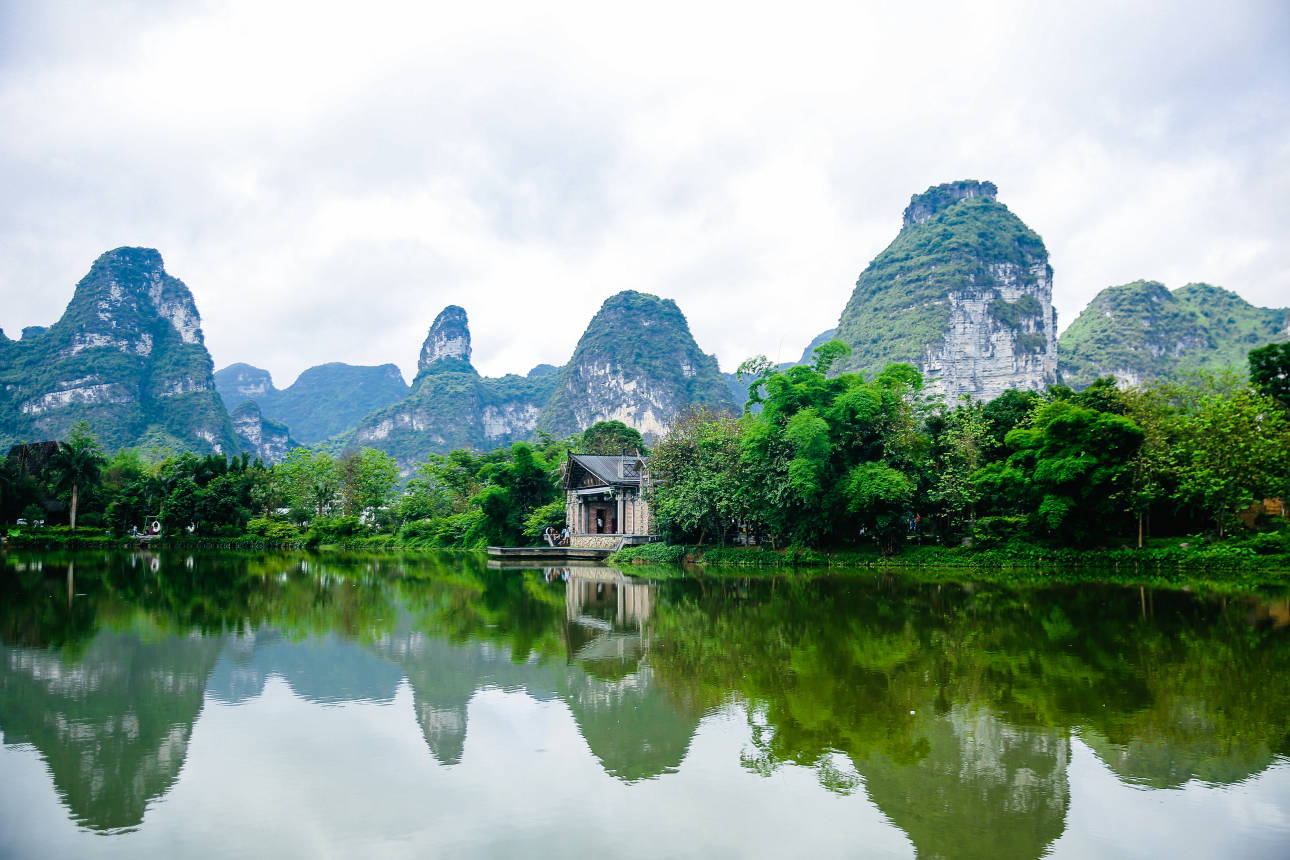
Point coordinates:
pixel 604 505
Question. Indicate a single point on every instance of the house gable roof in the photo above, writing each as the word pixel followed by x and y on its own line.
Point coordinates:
pixel 605 470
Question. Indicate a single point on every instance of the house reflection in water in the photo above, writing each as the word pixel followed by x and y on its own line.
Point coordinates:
pixel 601 592
pixel 608 615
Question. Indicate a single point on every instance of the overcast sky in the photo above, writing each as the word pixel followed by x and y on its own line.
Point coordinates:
pixel 326 177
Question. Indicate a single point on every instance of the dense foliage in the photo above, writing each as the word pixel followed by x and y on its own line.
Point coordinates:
pixel 463 499
pixel 841 461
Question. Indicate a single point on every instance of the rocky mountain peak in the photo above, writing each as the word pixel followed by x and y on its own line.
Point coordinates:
pixel 123 298
pixel 127 355
pixel 940 197
pixel 449 338
pixel 239 382
pixel 964 293
pixel 637 363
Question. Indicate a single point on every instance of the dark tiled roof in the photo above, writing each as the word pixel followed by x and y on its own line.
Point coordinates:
pixel 609 468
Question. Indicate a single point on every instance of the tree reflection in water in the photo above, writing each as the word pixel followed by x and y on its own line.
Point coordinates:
pixel 953 705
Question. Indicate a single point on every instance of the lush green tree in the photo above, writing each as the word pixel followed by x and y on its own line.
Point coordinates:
pixel 75 466
pixel 180 510
pixel 368 478
pixel 1151 469
pixel 1232 446
pixel 1270 371
pixel 609 437
pixel 311 478
pixel 1009 410
pixel 1068 469
pixel 814 458
pixel 960 449
pixel 695 472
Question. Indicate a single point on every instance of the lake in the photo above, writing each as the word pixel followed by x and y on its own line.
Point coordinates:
pixel 163 705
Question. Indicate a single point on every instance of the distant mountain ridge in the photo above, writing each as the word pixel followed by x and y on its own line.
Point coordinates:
pixel 324 401
pixel 636 362
pixel 963 292
pixel 1141 331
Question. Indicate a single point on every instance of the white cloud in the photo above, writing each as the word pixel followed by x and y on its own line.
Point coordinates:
pixel 326 177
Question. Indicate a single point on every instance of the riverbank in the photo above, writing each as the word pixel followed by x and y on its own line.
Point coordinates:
pixel 1173 556
pixel 1165 563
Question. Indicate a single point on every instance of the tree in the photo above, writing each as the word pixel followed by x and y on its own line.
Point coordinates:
pixel 1150 470
pixel 1232 446
pixel 76 465
pixel 311 477
pixel 960 452
pixel 610 437
pixel 1270 371
pixel 1068 469
pixel 827 354
pixel 695 474
pixel 368 477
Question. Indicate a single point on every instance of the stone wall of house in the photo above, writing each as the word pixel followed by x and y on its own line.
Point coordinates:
pixel 595 541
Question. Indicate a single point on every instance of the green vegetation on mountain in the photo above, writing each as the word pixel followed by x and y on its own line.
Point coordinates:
pixel 950 243
pixel 451 406
pixel 1141 331
pixel 637 362
pixel 127 356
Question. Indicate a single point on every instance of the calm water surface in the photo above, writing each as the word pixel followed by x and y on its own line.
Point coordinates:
pixel 293 706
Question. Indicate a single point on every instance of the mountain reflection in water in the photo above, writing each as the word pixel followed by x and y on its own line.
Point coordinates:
pixel 952 707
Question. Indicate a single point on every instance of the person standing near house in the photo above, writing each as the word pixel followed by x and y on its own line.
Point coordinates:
pixel 600 524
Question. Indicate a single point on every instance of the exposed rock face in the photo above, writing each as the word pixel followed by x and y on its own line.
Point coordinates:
pixel 964 293
pixel 925 206
pixel 127 356
pixel 636 363
pixel 324 401
pixel 449 338
pixel 264 438
pixel 1141 331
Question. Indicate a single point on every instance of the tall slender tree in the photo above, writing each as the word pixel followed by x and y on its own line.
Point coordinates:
pixel 76 465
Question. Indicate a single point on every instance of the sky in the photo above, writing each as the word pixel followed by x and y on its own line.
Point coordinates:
pixel 326 177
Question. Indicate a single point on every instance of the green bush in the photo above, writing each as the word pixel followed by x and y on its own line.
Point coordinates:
pixel 1271 543
pixel 334 530
pixel 272 530
pixel 990 532
pixel 650 553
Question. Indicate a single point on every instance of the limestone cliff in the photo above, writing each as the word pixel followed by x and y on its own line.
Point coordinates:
pixel 1141 331
pixel 964 293
pixel 261 437
pixel 637 363
pixel 127 356
pixel 449 338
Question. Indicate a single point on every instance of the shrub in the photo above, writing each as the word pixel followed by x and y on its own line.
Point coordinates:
pixel 650 553
pixel 272 530
pixel 990 532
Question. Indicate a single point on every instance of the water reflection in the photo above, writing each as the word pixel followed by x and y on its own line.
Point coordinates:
pixel 953 708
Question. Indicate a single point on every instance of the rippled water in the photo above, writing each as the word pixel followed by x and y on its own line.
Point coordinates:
pixel 300 706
